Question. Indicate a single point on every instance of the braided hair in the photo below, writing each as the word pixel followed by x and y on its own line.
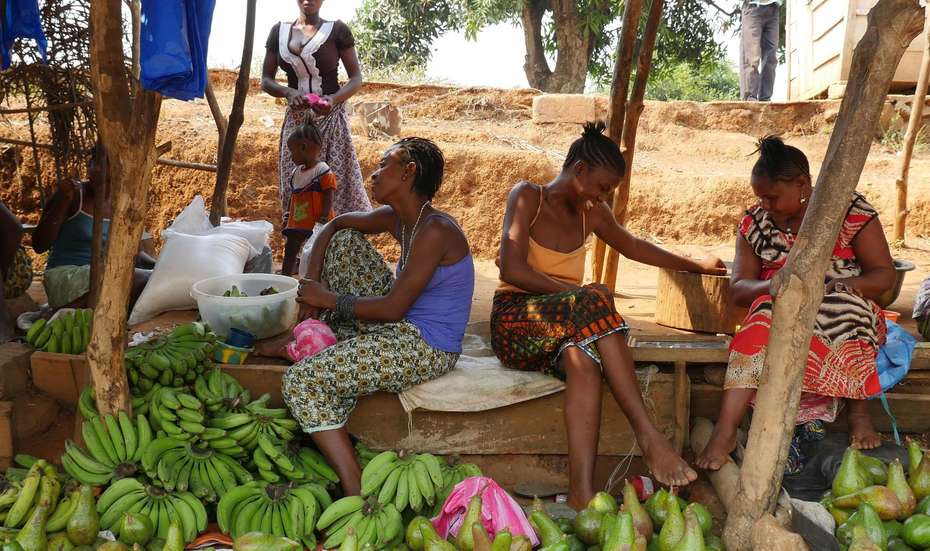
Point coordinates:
pixel 780 162
pixel 307 131
pixel 596 149
pixel 429 161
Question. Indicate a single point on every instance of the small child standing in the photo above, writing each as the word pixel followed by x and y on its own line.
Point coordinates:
pixel 312 188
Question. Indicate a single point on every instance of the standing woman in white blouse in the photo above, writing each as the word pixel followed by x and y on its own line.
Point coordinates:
pixel 309 50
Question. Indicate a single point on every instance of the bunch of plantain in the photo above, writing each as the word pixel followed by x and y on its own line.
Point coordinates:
pixel 67 334
pixel 183 466
pixel 220 392
pixel 161 506
pixel 9 492
pixel 406 480
pixel 290 510
pixel 41 486
pixel 174 360
pixel 254 420
pixel 177 413
pixel 375 524
pixel 87 402
pixel 364 453
pixel 114 448
pixel 278 461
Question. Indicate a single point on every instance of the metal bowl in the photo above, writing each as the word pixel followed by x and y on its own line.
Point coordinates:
pixel 890 295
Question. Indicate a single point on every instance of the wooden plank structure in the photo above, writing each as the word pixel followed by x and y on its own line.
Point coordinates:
pixel 820 38
pixel 696 302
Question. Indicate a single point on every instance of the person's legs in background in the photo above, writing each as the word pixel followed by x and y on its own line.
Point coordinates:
pixel 750 52
pixel 769 44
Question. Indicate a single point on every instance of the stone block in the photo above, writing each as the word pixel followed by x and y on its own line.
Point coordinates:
pixel 380 116
pixel 569 108
pixel 14 369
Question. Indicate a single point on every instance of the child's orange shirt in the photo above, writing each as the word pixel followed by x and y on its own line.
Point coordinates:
pixel 306 206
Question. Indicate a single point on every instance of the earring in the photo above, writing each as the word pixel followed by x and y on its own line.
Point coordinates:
pixel 803 200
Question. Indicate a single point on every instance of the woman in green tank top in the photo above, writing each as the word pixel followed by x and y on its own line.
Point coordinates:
pixel 66 232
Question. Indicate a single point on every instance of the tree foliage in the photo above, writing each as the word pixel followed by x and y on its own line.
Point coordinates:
pixel 392 32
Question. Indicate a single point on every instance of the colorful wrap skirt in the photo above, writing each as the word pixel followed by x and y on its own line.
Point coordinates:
pixel 321 391
pixel 529 332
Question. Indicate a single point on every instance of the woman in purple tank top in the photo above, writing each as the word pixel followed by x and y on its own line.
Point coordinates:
pixel 392 333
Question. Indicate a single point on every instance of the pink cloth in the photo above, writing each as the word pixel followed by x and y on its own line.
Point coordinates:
pixel 310 338
pixel 499 511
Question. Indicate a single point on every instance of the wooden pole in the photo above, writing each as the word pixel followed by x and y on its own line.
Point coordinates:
pixel 798 287
pixel 914 124
pixel 135 11
pixel 619 90
pixel 126 124
pixel 630 125
pixel 221 123
pixel 224 166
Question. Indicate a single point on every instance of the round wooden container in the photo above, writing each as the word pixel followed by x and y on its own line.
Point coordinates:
pixel 696 302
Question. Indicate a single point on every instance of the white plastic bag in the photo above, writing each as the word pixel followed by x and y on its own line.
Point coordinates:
pixel 185 260
pixel 195 220
pixel 304 263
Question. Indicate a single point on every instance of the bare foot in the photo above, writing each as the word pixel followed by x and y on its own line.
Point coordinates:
pixel 275 347
pixel 862 433
pixel 665 464
pixel 717 452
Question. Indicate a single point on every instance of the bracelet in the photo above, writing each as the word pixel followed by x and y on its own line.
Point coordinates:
pixel 345 307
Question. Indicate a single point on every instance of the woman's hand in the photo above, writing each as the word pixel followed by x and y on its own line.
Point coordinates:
pixel 712 265
pixel 325 106
pixel 313 296
pixel 295 100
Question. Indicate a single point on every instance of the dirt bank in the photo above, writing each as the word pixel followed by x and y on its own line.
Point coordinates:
pixel 690 170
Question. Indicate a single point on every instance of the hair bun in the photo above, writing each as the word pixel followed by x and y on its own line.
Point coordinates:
pixel 593 129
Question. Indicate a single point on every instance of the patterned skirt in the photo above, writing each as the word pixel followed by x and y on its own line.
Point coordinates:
pixel 338 152
pixel 18 276
pixel 840 363
pixel 529 332
pixel 321 391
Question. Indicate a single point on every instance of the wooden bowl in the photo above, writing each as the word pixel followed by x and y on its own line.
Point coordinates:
pixel 696 302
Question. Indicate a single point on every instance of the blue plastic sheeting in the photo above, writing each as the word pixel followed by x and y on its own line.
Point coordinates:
pixel 20 19
pixel 173 50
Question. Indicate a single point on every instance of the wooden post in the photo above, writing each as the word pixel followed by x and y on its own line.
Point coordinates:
pixel 224 166
pixel 135 10
pixel 798 287
pixel 619 90
pixel 630 125
pixel 910 137
pixel 126 125
pixel 682 405
pixel 221 123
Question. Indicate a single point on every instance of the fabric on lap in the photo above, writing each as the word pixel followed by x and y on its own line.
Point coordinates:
pixel 18 276
pixel 65 284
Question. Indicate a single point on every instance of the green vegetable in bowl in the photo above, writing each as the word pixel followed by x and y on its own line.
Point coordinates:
pixel 269 291
pixel 235 292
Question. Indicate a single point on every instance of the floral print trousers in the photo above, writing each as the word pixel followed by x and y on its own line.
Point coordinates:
pixel 321 391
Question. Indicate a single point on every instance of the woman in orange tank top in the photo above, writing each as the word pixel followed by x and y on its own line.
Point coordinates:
pixel 545 319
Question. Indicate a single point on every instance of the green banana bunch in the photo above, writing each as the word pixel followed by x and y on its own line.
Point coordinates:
pixel 374 524
pixel 41 485
pixel 9 492
pixel 404 480
pixel 195 467
pixel 174 360
pixel 87 403
pixel 255 420
pixel 161 506
pixel 364 453
pixel 453 473
pixel 288 510
pixel 177 413
pixel 114 449
pixel 278 461
pixel 67 334
pixel 220 392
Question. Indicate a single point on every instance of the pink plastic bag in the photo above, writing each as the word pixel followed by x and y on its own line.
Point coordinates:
pixel 310 338
pixel 498 510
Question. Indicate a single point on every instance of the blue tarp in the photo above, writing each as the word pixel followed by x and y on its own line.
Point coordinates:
pixel 175 36
pixel 20 19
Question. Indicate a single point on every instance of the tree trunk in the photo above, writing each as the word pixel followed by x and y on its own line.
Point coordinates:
pixel 910 137
pixel 574 44
pixel 619 92
pixel 798 287
pixel 224 167
pixel 127 127
pixel 630 125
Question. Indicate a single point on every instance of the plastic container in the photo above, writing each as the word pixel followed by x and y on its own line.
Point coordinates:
pixel 262 316
pixel 228 354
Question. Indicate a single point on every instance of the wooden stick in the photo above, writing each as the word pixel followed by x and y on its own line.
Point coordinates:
pixel 630 126
pixel 619 90
pixel 224 167
pixel 126 123
pixel 186 164
pixel 798 287
pixel 914 124
pixel 682 405
pixel 221 123
pixel 56 107
pixel 135 11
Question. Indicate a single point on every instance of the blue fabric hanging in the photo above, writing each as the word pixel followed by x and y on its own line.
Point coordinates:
pixel 173 50
pixel 20 19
